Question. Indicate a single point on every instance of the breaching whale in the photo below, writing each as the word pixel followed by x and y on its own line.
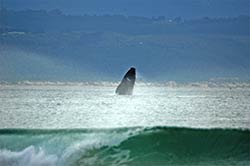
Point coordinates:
pixel 127 84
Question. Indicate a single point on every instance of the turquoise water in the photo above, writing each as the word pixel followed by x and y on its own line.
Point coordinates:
pixel 125 146
pixel 61 125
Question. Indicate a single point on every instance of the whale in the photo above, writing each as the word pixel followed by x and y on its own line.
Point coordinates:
pixel 126 86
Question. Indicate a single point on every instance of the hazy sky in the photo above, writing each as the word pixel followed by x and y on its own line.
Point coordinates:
pixel 168 8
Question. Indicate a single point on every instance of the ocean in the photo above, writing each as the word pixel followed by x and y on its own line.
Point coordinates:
pixel 88 125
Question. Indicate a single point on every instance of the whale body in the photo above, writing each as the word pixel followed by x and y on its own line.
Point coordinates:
pixel 127 84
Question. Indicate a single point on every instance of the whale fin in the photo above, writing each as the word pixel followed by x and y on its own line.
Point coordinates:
pixel 127 84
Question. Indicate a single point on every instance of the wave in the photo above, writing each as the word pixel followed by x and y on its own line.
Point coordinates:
pixel 169 84
pixel 28 157
pixel 125 146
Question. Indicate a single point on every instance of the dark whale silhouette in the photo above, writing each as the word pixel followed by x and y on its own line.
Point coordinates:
pixel 127 84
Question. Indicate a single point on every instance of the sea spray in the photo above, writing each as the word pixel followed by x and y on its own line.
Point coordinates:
pixel 27 157
pixel 126 146
pixel 86 150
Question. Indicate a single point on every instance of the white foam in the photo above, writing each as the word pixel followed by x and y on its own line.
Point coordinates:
pixel 171 84
pixel 27 157
pixel 94 141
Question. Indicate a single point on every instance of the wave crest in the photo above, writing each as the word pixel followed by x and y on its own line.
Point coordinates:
pixel 129 146
pixel 27 157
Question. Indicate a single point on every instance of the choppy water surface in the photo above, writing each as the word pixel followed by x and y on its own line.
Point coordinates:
pixel 61 125
pixel 99 107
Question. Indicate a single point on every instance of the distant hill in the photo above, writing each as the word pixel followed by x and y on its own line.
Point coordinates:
pixel 49 45
pixel 147 8
pixel 41 21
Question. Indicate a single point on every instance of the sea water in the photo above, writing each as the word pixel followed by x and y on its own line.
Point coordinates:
pixel 84 124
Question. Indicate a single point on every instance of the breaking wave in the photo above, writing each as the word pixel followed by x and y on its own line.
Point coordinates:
pixel 171 84
pixel 125 146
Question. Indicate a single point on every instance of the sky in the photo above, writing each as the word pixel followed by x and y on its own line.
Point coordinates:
pixel 148 8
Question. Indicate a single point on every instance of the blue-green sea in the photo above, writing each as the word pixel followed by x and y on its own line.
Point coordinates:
pixel 88 125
